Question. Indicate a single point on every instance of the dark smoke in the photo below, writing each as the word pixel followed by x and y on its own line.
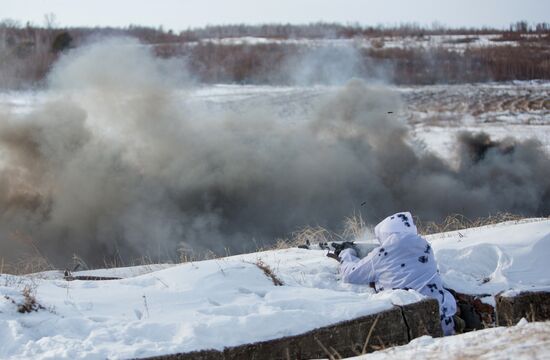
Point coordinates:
pixel 121 165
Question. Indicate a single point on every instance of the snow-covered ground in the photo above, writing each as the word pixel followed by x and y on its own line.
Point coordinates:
pixel 497 258
pixel 518 109
pixel 165 309
pixel 435 113
pixel 454 42
pixel 523 341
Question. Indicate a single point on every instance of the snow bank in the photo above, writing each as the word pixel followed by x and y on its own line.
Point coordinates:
pixel 213 304
pixel 495 258
pixel 193 306
pixel 523 341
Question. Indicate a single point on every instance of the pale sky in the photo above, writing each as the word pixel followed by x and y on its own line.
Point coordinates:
pixel 182 14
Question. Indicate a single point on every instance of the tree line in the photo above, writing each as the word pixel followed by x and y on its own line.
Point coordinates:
pixel 28 52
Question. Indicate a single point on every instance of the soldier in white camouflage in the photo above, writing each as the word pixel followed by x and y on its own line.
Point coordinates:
pixel 404 260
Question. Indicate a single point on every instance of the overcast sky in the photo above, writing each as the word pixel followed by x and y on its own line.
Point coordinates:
pixel 182 14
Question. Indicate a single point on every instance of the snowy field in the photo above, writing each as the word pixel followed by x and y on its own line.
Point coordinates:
pixel 436 114
pixel 163 309
pixel 453 42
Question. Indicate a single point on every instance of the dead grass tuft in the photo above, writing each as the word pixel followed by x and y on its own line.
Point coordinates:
pixel 28 264
pixel 29 303
pixel 331 352
pixel 310 235
pixel 366 344
pixel 32 261
pixel 459 222
pixel 269 272
pixel 354 227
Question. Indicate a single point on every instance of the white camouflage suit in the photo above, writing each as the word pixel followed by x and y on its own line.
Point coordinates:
pixel 404 260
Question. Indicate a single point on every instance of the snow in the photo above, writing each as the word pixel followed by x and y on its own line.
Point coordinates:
pixel 435 113
pixel 192 306
pixel 163 309
pixel 523 341
pixel 495 258
pixel 457 43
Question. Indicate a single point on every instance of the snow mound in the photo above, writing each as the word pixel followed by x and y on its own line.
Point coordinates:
pixel 523 341
pixel 510 256
pixel 192 306
pixel 166 309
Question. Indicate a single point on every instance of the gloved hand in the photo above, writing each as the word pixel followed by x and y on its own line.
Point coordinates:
pixel 338 247
pixel 333 256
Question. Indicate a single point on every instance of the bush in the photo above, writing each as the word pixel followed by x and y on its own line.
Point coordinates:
pixel 62 42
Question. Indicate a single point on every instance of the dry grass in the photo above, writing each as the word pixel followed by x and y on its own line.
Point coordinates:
pixel 269 272
pixel 459 222
pixel 354 228
pixel 31 262
pixel 25 264
pixel 310 235
pixel 364 350
pixel 330 351
pixel 29 303
pixel 187 254
pixel 29 52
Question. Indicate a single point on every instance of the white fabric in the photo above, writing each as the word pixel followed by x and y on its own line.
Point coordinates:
pixel 398 223
pixel 403 260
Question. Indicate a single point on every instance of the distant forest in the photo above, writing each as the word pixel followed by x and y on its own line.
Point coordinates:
pixel 27 52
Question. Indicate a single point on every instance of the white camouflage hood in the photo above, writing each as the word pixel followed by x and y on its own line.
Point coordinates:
pixel 401 222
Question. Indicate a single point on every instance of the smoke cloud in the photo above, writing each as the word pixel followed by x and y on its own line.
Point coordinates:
pixel 328 65
pixel 121 164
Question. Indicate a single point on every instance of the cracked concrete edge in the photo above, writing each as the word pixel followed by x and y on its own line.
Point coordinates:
pixel 396 326
pixel 533 306
pixel 422 318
